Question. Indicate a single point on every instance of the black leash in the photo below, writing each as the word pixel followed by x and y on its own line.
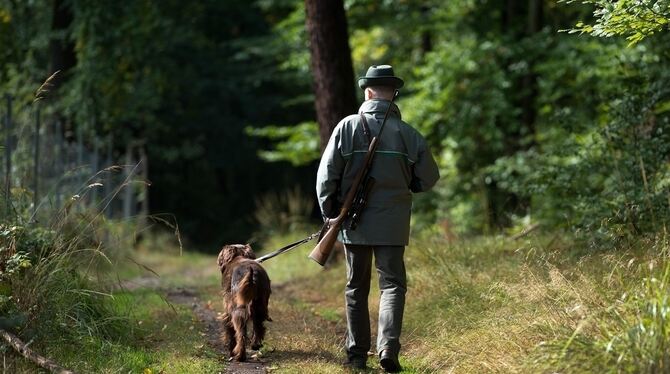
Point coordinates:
pixel 287 247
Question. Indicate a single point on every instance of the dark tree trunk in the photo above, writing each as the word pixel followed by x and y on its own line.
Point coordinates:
pixel 520 19
pixel 333 74
pixel 61 47
pixel 529 80
pixel 426 35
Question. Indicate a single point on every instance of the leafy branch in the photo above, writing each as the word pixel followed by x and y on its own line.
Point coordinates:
pixel 634 19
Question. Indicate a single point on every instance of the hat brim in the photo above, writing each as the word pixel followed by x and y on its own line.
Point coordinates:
pixel 388 81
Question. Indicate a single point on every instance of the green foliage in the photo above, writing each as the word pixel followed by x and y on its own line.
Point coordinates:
pixel 297 144
pixel 184 81
pixel 14 252
pixel 48 297
pixel 602 166
pixel 528 124
pixel 633 19
pixel 540 126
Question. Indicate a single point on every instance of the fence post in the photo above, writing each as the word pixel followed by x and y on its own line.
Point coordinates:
pixel 128 188
pixel 36 165
pixel 60 168
pixel 8 153
pixel 94 170
pixel 80 158
pixel 108 182
pixel 144 207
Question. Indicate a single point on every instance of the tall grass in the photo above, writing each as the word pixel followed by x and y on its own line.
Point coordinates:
pixel 629 335
pixel 53 295
pixel 282 212
pixel 54 280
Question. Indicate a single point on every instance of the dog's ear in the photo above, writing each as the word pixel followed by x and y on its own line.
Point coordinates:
pixel 248 252
pixel 220 259
pixel 227 254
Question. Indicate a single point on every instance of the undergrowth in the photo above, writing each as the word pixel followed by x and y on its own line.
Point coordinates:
pixel 50 293
pixel 630 334
pixel 542 303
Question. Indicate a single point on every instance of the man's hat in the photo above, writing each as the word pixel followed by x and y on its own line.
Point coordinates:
pixel 380 75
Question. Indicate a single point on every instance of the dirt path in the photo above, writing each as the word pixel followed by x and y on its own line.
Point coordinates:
pixel 211 320
pixel 306 335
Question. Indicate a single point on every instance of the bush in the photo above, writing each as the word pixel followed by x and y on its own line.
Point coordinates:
pixel 602 169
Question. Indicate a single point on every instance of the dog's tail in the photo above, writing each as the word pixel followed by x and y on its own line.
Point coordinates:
pixel 246 289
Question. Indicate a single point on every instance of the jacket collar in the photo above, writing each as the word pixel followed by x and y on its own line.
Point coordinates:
pixel 379 106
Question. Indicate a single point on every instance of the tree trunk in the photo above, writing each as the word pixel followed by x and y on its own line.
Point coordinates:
pixel 426 34
pixel 519 20
pixel 334 92
pixel 61 48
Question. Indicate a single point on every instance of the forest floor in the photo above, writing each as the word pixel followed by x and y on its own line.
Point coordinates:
pixel 299 339
pixel 492 304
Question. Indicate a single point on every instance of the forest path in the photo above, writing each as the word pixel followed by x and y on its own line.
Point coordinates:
pixel 187 283
pixel 306 334
pixel 210 319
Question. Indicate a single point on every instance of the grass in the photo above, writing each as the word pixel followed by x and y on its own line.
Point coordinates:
pixel 109 320
pixel 488 305
pixel 630 334
pixel 540 304
pixel 164 340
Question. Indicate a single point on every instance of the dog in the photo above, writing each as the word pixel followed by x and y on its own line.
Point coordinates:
pixel 246 292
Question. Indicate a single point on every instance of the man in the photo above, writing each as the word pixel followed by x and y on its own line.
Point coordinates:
pixel 402 164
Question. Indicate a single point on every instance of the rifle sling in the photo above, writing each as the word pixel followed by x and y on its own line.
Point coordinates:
pixel 366 129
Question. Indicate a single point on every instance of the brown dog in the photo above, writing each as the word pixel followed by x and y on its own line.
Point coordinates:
pixel 246 292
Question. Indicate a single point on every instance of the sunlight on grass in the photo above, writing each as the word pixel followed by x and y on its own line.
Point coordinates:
pixel 290 265
pixel 481 305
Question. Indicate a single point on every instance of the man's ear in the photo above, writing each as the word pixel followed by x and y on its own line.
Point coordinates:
pixel 367 93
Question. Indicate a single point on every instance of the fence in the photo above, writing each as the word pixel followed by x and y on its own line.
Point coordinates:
pixel 51 165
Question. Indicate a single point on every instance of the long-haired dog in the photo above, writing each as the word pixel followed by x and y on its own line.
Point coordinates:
pixel 246 292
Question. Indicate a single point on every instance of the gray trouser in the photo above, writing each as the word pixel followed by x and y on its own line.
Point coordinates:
pixel 392 284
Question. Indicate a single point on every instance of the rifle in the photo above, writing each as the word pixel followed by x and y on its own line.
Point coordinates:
pixel 354 202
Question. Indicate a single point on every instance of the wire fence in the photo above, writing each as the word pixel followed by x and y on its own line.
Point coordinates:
pixel 51 165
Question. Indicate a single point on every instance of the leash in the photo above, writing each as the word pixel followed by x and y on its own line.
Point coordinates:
pixel 287 247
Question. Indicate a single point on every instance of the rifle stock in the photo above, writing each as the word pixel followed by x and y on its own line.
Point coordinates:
pixel 326 243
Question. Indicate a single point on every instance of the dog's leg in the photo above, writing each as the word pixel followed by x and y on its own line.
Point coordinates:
pixel 259 334
pixel 259 316
pixel 228 333
pixel 240 317
pixel 229 338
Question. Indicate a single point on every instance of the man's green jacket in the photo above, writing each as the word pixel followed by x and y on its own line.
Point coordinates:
pixel 402 164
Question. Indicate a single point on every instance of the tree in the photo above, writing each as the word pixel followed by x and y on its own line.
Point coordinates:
pixel 332 70
pixel 634 19
pixel 62 49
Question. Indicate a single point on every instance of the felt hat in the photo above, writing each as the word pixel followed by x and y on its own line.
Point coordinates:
pixel 380 75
